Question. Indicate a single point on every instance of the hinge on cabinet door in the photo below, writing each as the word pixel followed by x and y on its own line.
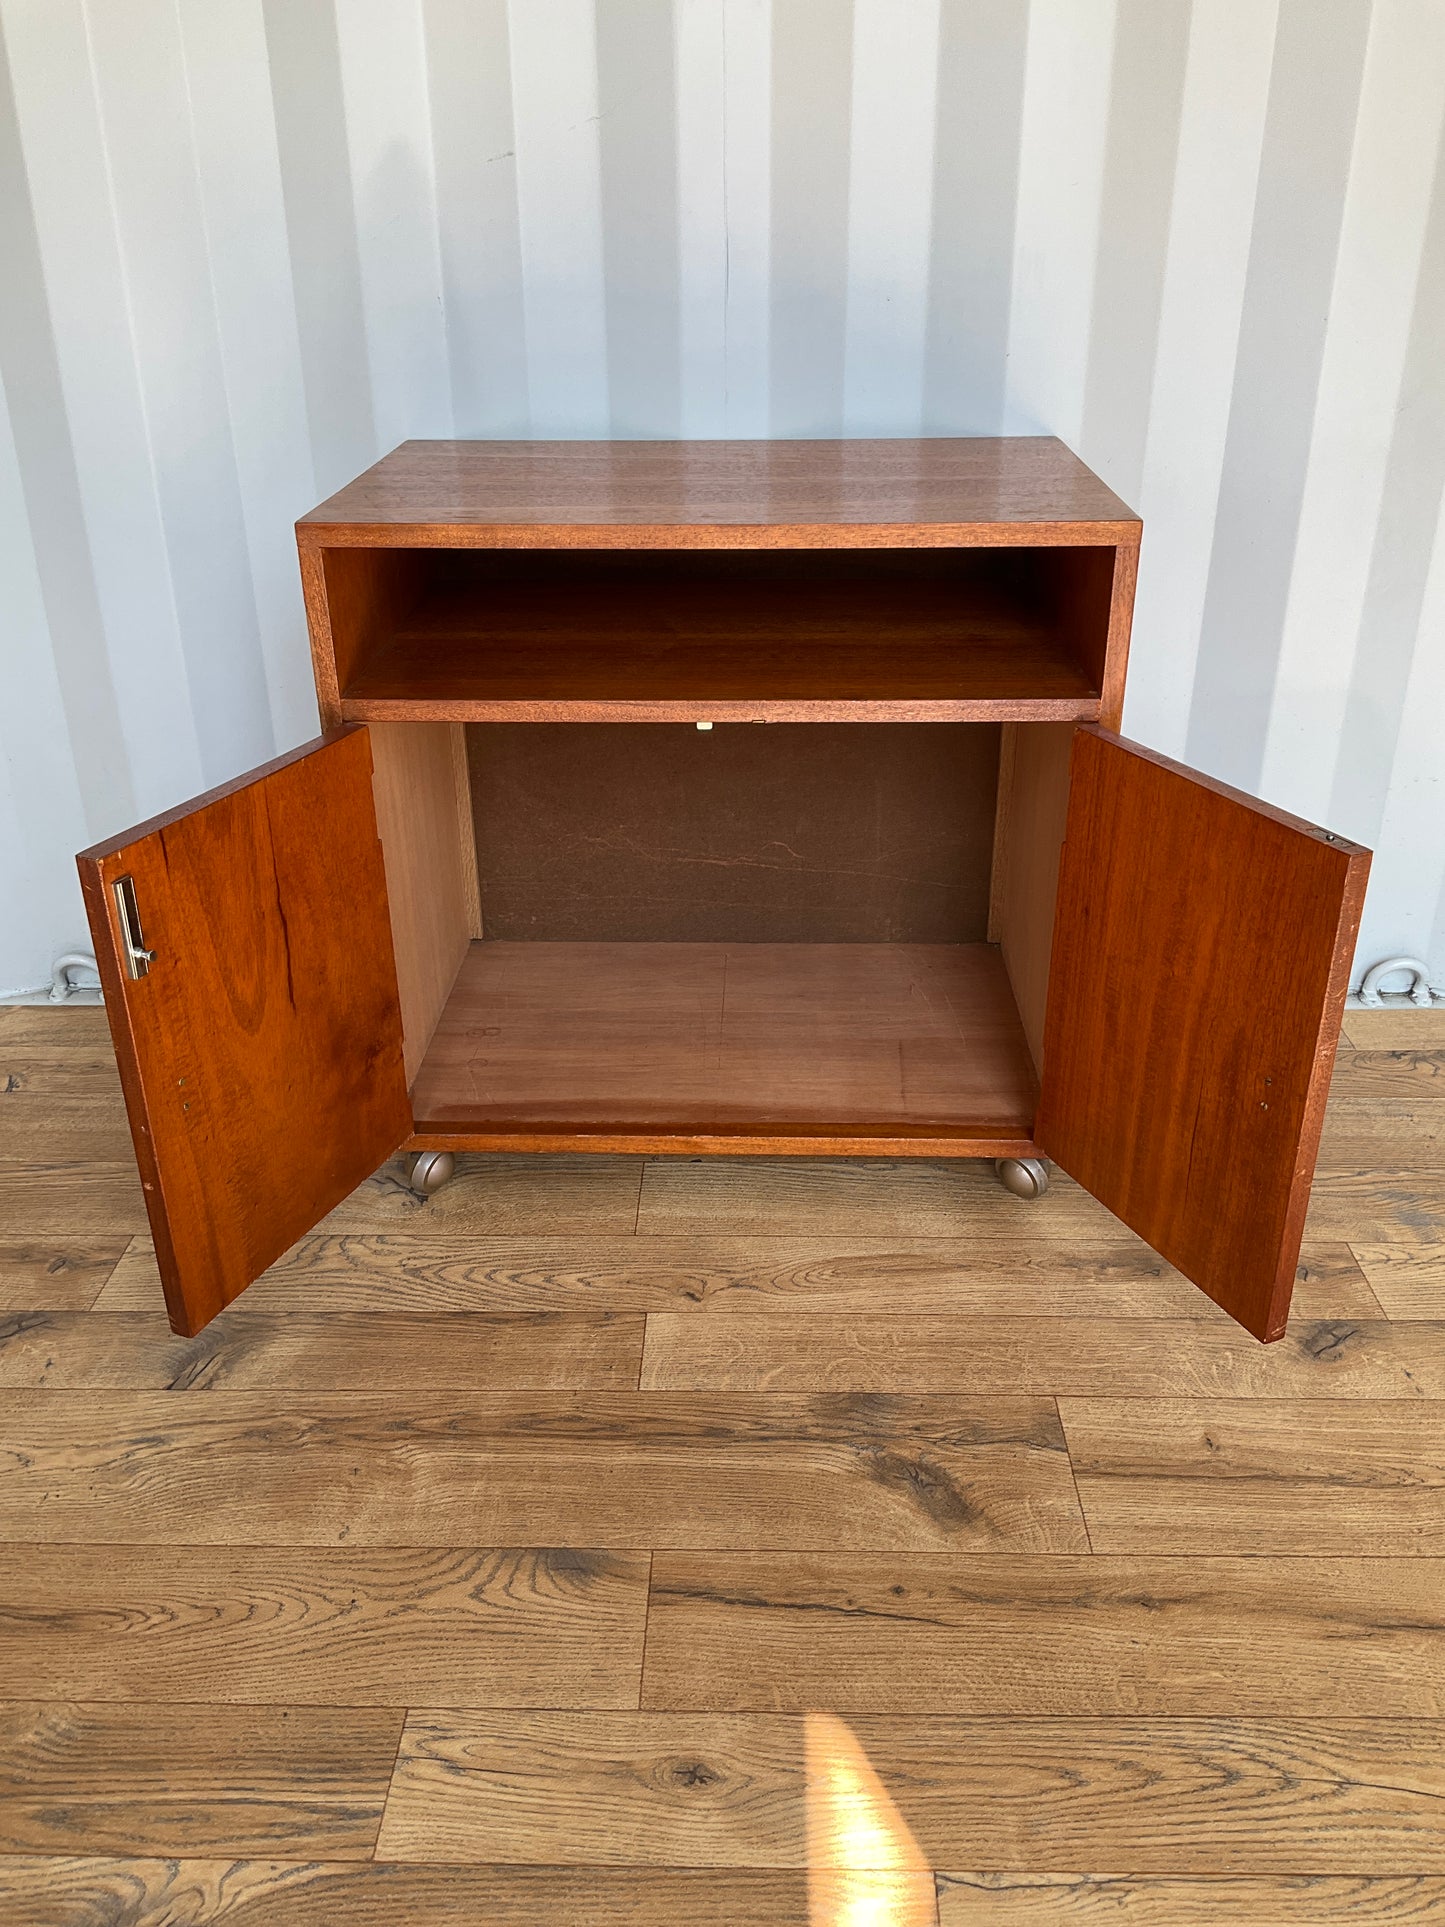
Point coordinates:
pixel 138 959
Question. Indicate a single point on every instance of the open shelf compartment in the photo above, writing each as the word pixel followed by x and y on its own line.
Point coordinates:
pixel 909 634
pixel 750 940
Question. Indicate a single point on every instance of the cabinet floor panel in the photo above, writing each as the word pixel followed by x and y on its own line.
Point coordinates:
pixel 768 1046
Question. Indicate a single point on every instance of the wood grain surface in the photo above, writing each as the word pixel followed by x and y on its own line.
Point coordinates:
pixel 717 494
pixel 754 1789
pixel 259 1625
pixel 287 1893
pixel 1190 1108
pixel 235 1570
pixel 1260 1475
pixel 57 1275
pixel 292 1781
pixel 1034 1634
pixel 850 1040
pixel 795 834
pixel 1055 1356
pixel 261 1055
pixel 1408 1279
pixel 396 1271
pixel 1157 1900
pixel 585 1471
pixel 324 1351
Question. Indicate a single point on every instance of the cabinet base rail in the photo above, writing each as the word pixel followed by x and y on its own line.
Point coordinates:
pixel 756 1141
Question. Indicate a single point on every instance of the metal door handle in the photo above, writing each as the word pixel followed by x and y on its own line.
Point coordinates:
pixel 138 959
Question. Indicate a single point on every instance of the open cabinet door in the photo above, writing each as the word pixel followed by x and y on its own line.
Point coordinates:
pixel 1202 946
pixel 245 951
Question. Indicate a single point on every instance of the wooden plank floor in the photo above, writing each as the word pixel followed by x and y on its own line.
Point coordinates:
pixel 720 1543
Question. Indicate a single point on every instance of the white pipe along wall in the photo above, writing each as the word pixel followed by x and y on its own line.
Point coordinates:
pixel 249 245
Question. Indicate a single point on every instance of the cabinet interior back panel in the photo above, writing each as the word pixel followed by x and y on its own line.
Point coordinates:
pixel 746 833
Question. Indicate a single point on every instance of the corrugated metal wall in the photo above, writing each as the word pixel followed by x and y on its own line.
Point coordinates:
pixel 248 245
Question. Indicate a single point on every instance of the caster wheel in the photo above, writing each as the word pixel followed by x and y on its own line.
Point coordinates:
pixel 430 1170
pixel 1025 1177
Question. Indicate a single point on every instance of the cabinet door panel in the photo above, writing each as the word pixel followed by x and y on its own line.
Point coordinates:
pixel 1202 946
pixel 259 1035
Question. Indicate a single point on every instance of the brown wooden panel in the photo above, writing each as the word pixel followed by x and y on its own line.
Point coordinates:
pixel 71 1198
pixel 431 871
pixel 833 1039
pixel 1203 1900
pixel 354 597
pixel 1260 1475
pixel 1045 1635
pixel 288 1893
pixel 578 1196
pixel 804 833
pixel 1202 947
pixel 1033 804
pixel 298 1780
pixel 323 1625
pixel 1408 1280
pixel 731 1276
pixel 759 1789
pixel 841 1197
pixel 1401 1027
pixel 1376 1202
pixel 884 1352
pixel 55 1275
pixel 261 1055
pixel 724 494
pixel 331 1350
pixel 567 1468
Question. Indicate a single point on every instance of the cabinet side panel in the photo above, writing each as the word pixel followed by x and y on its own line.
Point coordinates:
pixel 355 598
pixel 1032 808
pixel 430 870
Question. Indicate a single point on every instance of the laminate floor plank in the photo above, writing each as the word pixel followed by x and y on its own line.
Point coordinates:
pixel 301 1781
pixel 1395 1028
pixel 570 1196
pixel 1260 1476
pixel 1347 1151
pixel 249 1350
pixel 1408 1279
pixel 1035 1635
pixel 54 1274
pixel 84 1199
pixel 1366 1078
pixel 339 1627
pixel 860 1198
pixel 777 1790
pixel 33 1073
pixel 402 1272
pixel 1078 1357
pixel 584 1469
pixel 97 1892
pixel 1378 1202
pixel 31 1024
pixel 38 1125
pixel 1153 1900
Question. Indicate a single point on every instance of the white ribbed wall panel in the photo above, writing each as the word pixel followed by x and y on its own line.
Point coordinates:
pixel 248 245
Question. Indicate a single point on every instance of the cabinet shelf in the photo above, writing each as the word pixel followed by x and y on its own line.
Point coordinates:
pixel 917 636
pixel 741 1047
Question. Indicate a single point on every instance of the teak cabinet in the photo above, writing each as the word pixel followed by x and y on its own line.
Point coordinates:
pixel 513 899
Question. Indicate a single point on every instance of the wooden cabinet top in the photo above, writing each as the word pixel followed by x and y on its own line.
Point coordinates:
pixel 978 491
